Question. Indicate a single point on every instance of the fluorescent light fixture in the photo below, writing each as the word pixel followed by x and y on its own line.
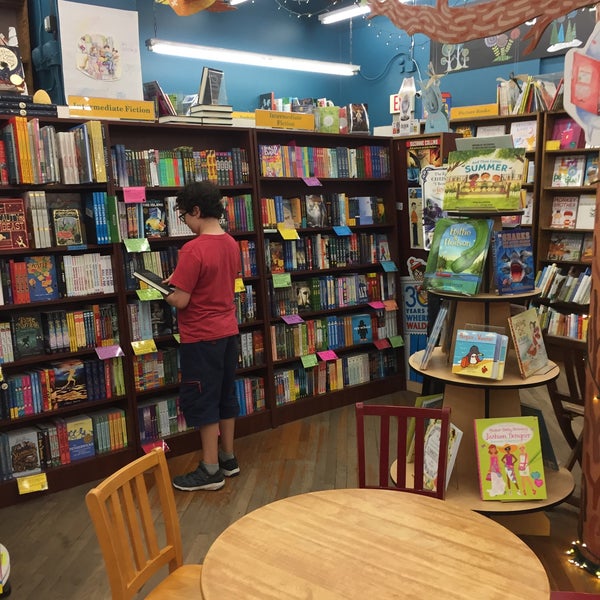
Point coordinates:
pixel 334 16
pixel 250 58
pixel 235 2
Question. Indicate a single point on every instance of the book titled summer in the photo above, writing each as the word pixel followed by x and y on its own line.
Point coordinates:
pixel 509 459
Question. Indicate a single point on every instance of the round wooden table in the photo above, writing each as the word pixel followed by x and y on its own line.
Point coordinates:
pixel 379 544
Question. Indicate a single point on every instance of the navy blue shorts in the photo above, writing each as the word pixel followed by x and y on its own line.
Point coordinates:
pixel 207 392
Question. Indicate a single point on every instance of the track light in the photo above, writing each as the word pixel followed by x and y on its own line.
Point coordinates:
pixel 334 16
pixel 250 58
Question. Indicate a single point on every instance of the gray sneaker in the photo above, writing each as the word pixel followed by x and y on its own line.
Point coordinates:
pixel 199 479
pixel 229 467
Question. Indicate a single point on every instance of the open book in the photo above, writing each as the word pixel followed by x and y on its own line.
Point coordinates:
pixel 153 280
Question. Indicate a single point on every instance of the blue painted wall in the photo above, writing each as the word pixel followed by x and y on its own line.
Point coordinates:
pixel 382 51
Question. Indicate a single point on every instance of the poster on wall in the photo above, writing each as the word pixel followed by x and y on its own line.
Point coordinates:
pixel 569 31
pixel 100 51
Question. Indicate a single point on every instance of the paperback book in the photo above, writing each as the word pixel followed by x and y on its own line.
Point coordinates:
pixel 13 224
pixel 484 179
pixel 586 212
pixel 514 268
pixel 568 171
pixel 456 262
pixel 509 459
pixel 431 453
pixel 591 170
pixel 479 354
pixel 42 278
pixel 528 341
pixel 433 337
pixel 433 180
pixel 564 212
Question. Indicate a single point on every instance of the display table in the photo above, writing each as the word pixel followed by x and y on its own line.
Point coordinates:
pixel 358 543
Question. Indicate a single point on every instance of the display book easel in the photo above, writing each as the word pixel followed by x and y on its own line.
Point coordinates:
pixel 470 398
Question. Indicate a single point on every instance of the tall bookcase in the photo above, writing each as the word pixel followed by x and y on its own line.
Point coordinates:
pixel 351 368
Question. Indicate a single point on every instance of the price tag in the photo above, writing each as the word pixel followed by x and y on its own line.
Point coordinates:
pixel 32 483
pixel 281 280
pixel 292 319
pixel 239 285
pixel 389 266
pixel 135 194
pixel 396 341
pixel 112 351
pixel 149 294
pixel 342 230
pixel 287 233
pixel 390 305
pixel 143 347
pixel 137 244
pixel 309 360
pixel 311 181
pixel 382 344
pixel 377 304
pixel 327 355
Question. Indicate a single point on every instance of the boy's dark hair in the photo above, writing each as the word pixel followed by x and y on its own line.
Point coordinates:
pixel 203 194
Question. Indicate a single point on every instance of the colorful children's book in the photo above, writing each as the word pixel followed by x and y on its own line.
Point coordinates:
pixel 155 219
pixel 432 340
pixel 484 179
pixel 568 171
pixel 564 212
pixel 415 208
pixel 68 227
pixel 431 453
pixel 586 212
pixel 27 334
pixel 456 262
pixel 479 354
pixel 591 170
pixel 24 452
pixel 528 341
pixel 587 247
pixel 568 132
pixel 509 459
pixel 524 134
pixel 362 331
pixel 433 180
pixel 42 278
pixel 80 432
pixel 565 247
pixel 514 268
pixel 13 224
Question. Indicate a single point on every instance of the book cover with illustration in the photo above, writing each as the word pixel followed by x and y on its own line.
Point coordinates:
pixel 591 170
pixel 568 171
pixel 564 212
pixel 524 134
pixel 431 453
pixel 68 227
pixel 487 179
pixel 529 345
pixel 568 132
pixel 42 278
pixel 456 262
pixel 586 212
pixel 433 180
pixel 69 383
pixel 362 331
pixel 415 208
pixel 23 451
pixel 13 224
pixel 80 433
pixel 509 459
pixel 479 353
pixel 565 247
pixel 27 334
pixel 514 268
pixel 155 219
pixel 316 211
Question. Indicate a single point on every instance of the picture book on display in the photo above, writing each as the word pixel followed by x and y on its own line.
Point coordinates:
pixel 415 207
pixel 479 354
pixel 484 179
pixel 153 280
pixel 362 331
pixel 524 134
pixel 69 382
pixel 565 246
pixel 429 401
pixel 42 278
pixel 591 170
pixel 568 132
pixel 13 224
pixel 433 337
pixel 528 341
pixel 456 261
pixel 68 226
pixel 27 334
pixel 586 211
pixel 514 268
pixel 431 453
pixel 433 180
pixel 568 171
pixel 24 452
pixel 509 459
pixel 564 212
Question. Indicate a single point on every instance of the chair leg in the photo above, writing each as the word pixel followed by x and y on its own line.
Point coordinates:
pixel 575 454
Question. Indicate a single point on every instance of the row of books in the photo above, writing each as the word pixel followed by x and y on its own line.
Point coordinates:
pixel 573 212
pixel 366 161
pixel 156 369
pixel 49 277
pixel 59 384
pixel 159 418
pixel 571 247
pixel 571 325
pixel 252 349
pixel 557 286
pixel 245 304
pixel 321 210
pixel 524 133
pixel 250 392
pixel 179 166
pixel 61 441
pixel 322 251
pixel 575 170
pixel 34 154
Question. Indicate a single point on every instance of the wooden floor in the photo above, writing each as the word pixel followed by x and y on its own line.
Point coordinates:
pixel 53 549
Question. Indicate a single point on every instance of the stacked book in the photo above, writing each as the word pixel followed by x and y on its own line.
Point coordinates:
pixel 23 105
pixel 212 114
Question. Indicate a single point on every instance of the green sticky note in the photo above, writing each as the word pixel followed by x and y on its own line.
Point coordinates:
pixel 137 244
pixel 281 280
pixel 149 294
pixel 396 341
pixel 310 360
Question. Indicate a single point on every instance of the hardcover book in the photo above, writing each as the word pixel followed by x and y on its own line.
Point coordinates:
pixel 69 383
pixel 524 134
pixel 514 268
pixel 358 118
pixel 484 179
pixel 68 227
pixel 568 171
pixel 586 212
pixel 479 354
pixel 568 132
pixel 13 224
pixel 433 180
pixel 42 278
pixel 80 432
pixel 565 247
pixel 153 280
pixel 362 331
pixel 509 459
pixel 155 224
pixel 456 262
pixel 591 170
pixel 431 453
pixel 316 211
pixel 24 452
pixel 27 334
pixel 526 335
pixel 564 211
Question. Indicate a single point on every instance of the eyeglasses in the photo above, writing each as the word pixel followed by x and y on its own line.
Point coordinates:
pixel 182 216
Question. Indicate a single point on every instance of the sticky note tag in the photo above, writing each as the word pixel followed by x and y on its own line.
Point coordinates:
pixel 389 266
pixel 112 351
pixel 341 230
pixel 390 305
pixel 177 338
pixel 292 319
pixel 382 344
pixel 309 360
pixel 239 285
pixel 396 341
pixel 32 483
pixel 377 304
pixel 77 247
pixel 143 347
pixel 553 145
pixel 149 294
pixel 281 280
pixel 149 446
pixel 137 244
pixel 327 355
pixel 311 181
pixel 134 194
pixel 287 233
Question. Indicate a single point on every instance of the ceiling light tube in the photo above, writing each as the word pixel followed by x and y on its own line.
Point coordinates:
pixel 334 16
pixel 250 58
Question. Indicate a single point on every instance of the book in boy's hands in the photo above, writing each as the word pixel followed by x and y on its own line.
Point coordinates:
pixel 528 341
pixel 484 179
pixel 565 247
pixel 568 171
pixel 456 261
pixel 153 280
pixel 434 336
pixel 564 212
pixel 586 211
pixel 431 453
pixel 514 269
pixel 509 459
pixel 479 354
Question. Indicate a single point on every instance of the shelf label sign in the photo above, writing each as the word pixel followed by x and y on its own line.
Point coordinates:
pixel 309 360
pixel 137 245
pixel 112 351
pixel 390 305
pixel 389 266
pixel 134 195
pixel 377 304
pixel 143 347
pixel 32 483
pixel 148 294
pixel 239 285
pixel 382 344
pixel 312 181
pixel 342 230
pixel 282 280
pixel 396 341
pixel 287 233
pixel 132 110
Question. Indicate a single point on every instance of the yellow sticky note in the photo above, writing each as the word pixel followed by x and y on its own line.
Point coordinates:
pixel 32 483
pixel 239 285
pixel 287 233
pixel 143 347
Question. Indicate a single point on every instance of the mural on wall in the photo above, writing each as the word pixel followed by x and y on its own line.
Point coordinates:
pixel 568 31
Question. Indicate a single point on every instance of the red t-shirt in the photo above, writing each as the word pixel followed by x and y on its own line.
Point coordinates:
pixel 206 269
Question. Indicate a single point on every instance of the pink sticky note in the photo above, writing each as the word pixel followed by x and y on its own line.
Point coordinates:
pixel 292 319
pixel 327 355
pixel 382 344
pixel 311 181
pixel 134 194
pixel 377 304
pixel 113 351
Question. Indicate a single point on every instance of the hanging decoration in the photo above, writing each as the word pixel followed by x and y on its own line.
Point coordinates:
pixel 475 20
pixel 185 8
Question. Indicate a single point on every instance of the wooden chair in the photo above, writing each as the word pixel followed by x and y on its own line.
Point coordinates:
pixel 394 422
pixel 568 402
pixel 134 543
